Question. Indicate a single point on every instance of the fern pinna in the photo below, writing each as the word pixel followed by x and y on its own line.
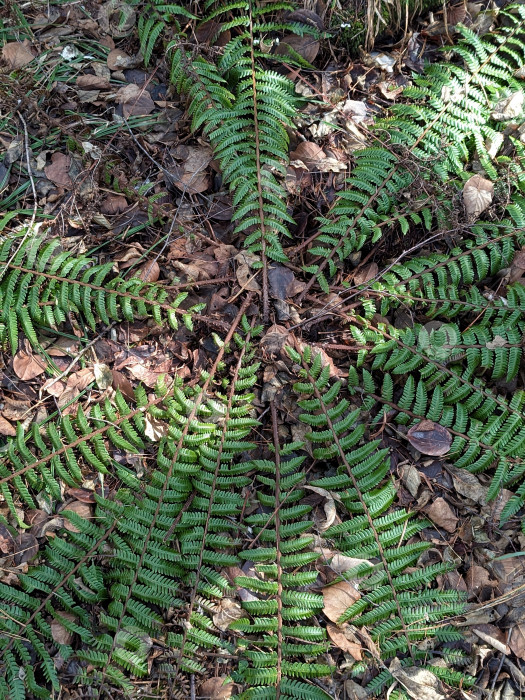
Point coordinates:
pixel 449 111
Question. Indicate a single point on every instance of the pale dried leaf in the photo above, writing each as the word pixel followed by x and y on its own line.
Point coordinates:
pixel 92 82
pixel 150 271
pixel 16 54
pixel 339 638
pixel 419 683
pixel 28 366
pixel 509 107
pixel 6 428
pixel 229 611
pixel 103 375
pixel 338 598
pixel 468 485
pixel 517 641
pixel 477 195
pixel 366 273
pixel 442 515
pixel 154 429
pixel 135 100
pixel 411 479
pixel 498 342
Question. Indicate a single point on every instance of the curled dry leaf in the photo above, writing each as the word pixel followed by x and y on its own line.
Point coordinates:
pixel 192 176
pixel 442 515
pixel 92 82
pixel 154 429
pixel 17 54
pixel 430 438
pixel 117 18
pixel 228 611
pixel 338 598
pixel 28 366
pixel 366 273
pixel 517 641
pixel 477 195
pixel 339 637
pixel 274 340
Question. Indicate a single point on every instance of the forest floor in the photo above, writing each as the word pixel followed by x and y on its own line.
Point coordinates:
pixel 97 149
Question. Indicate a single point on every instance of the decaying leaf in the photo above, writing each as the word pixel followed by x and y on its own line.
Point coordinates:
pixel 339 636
pixel 58 170
pixel 517 640
pixel 28 366
pixel 229 611
pixel 135 100
pixel 7 428
pixel 17 54
pixel 25 548
pixel 192 175
pixel 442 515
pixel 477 195
pixel 419 683
pixel 85 510
pixel 338 598
pixel 430 438
pixel 103 375
pixel 60 634
pixel 154 429
pixel 216 689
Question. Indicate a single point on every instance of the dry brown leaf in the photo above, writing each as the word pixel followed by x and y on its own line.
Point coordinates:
pixel 493 636
pixel 306 46
pixel 411 479
pixel 274 340
pixel 509 107
pixel 78 381
pixel 216 689
pixel 366 273
pixel 228 611
pixel 476 579
pixel 92 82
pixel 58 170
pixel 150 271
pixel 85 510
pixel 517 641
pixel 123 384
pixel 28 366
pixel 25 548
pixel 430 438
pixel 81 494
pixel 329 507
pixel 477 195
pixel 309 153
pixel 191 175
pixel 135 100
pixel 118 59
pixel 338 598
pixel 6 428
pixel 60 634
pixel 339 638
pixel 468 485
pixel 17 54
pixel 114 204
pixel 442 515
